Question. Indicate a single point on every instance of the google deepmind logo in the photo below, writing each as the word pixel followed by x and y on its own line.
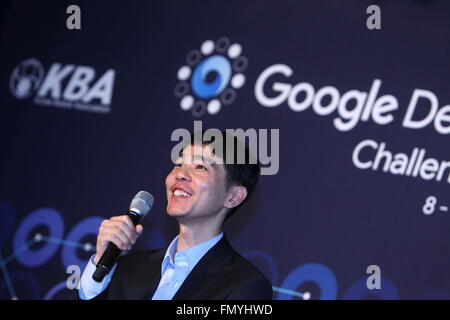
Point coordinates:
pixel 211 76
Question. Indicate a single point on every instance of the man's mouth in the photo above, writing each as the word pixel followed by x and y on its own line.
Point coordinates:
pixel 181 193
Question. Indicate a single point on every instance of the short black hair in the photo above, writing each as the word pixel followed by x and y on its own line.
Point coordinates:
pixel 237 174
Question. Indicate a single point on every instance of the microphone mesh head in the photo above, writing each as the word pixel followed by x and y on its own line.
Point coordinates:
pixel 141 203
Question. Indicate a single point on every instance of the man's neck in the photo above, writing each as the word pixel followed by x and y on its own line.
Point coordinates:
pixel 191 236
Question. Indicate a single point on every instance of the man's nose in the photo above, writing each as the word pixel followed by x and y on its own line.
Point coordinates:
pixel 183 175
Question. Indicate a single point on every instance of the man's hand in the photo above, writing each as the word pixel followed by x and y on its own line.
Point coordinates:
pixel 118 230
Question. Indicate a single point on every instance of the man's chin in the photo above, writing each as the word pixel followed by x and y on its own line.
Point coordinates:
pixel 176 212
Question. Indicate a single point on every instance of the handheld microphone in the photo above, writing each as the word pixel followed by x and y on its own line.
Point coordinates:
pixel 139 207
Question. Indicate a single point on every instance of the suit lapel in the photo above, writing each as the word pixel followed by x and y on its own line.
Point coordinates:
pixel 207 272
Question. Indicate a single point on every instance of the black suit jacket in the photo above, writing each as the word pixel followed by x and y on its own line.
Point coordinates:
pixel 221 274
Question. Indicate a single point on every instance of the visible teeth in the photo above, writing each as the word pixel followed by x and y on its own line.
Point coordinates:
pixel 179 192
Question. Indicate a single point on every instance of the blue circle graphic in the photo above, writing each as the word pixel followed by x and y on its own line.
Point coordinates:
pixel 154 239
pixel 55 290
pixel 267 258
pixel 314 272
pixel 359 290
pixel 85 227
pixel 206 90
pixel 43 216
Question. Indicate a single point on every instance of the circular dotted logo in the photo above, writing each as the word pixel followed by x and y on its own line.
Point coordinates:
pixel 26 78
pixel 211 76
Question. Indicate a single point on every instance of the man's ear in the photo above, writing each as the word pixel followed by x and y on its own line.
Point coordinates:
pixel 236 196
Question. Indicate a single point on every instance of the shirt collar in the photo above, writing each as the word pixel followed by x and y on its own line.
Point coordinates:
pixel 192 255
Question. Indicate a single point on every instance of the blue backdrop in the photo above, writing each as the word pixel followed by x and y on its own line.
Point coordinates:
pixel 87 115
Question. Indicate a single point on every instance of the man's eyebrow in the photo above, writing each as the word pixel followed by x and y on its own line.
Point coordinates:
pixel 208 160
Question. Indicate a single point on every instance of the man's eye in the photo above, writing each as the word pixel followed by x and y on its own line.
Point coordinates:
pixel 178 165
pixel 199 166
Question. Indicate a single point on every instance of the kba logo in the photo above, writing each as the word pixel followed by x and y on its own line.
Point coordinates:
pixel 64 86
pixel 211 77
pixel 26 78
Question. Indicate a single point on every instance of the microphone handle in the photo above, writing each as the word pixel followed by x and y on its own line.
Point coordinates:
pixel 111 254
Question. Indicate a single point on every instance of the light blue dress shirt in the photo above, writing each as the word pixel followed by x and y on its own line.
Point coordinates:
pixel 175 268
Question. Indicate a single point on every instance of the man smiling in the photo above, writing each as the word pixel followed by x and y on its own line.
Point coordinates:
pixel 202 192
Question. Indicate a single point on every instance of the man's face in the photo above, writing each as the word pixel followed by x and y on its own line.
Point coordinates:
pixel 196 187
